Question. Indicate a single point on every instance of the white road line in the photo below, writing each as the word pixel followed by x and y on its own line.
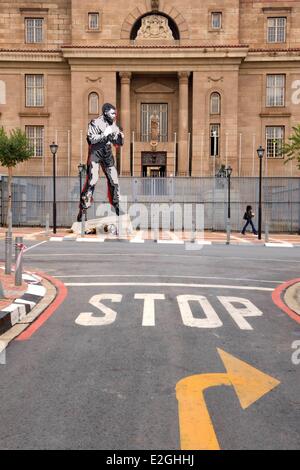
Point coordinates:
pixel 279 245
pixel 34 246
pixel 171 242
pixel 165 284
pixel 72 276
pixel 90 240
pixel 56 239
pixel 161 255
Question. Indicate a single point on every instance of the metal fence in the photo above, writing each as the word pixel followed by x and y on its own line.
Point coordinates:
pixel 33 198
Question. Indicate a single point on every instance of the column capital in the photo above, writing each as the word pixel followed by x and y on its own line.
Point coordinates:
pixel 183 76
pixel 125 77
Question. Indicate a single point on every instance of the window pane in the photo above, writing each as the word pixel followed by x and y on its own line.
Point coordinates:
pixel 34 85
pixel 216 20
pixel 214 139
pixel 275 139
pixel 215 100
pixel 276 29
pixel 93 20
pixel 275 90
pixel 35 135
pixel 93 103
pixel 149 111
pixel 34 30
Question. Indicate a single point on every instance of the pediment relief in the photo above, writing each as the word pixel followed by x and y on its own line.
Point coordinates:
pixel 155 27
pixel 154 88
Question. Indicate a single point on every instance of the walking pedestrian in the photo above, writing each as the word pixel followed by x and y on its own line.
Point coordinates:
pixel 248 216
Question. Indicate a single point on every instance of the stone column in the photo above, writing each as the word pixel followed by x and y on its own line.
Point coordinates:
pixel 125 122
pixel 183 123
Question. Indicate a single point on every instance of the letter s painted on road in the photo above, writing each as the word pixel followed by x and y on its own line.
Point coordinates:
pixel 90 319
pixel 296 354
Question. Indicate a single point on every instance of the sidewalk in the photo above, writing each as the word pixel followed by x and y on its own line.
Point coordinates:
pixel 10 291
pixel 139 236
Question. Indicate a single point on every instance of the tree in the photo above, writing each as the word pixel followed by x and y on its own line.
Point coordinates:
pixel 292 148
pixel 14 148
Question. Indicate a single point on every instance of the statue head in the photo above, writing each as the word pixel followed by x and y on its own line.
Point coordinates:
pixel 109 112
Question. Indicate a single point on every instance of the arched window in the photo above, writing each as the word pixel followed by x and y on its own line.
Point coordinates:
pixel 215 103
pixel 152 29
pixel 93 103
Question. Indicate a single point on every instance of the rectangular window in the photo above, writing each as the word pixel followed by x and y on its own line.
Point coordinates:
pixel 34 87
pixel 35 135
pixel 34 30
pixel 94 21
pixel 275 90
pixel 276 29
pixel 154 122
pixel 275 140
pixel 216 20
pixel 214 139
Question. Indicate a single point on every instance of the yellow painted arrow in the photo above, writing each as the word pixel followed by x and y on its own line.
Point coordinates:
pixel 196 429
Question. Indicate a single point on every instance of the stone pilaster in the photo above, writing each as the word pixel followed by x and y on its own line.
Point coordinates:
pixel 183 115
pixel 125 122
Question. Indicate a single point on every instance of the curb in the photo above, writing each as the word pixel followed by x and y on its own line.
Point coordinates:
pixel 233 242
pixel 279 298
pixel 44 310
pixel 292 297
pixel 17 310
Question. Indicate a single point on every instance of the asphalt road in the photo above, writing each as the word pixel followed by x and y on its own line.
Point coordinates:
pixel 101 372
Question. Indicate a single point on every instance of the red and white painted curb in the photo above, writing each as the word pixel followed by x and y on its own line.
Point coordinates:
pixel 16 311
pixel 278 295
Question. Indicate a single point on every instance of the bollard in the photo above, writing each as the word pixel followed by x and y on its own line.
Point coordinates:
pixel 83 220
pixel 228 230
pixel 47 225
pixel 9 222
pixel 19 247
pixel 8 252
pixel 266 233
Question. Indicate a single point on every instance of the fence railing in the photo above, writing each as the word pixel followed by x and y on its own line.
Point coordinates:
pixel 33 198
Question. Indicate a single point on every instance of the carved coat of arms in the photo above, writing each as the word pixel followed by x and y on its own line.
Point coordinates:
pixel 155 27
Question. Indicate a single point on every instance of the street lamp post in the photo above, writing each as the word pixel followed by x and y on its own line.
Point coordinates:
pixel 54 148
pixel 228 171
pixel 260 153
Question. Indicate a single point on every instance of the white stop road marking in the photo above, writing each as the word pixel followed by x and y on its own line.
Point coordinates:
pixel 238 308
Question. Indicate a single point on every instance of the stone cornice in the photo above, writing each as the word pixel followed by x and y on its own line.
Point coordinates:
pixel 163 44
pixel 276 9
pixel 25 55
pixel 274 114
pixel 273 55
pixel 31 114
pixel 33 10
pixel 153 52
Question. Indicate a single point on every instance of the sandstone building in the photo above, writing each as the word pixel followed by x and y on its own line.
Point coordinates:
pixel 198 84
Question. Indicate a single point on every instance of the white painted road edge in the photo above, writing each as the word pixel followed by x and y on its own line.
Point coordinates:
pixel 279 245
pixel 174 242
pixel 166 284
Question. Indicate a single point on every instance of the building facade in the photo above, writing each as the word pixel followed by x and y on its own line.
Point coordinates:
pixel 197 84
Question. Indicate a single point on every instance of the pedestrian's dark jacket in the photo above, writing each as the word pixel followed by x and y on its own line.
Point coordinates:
pixel 248 215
